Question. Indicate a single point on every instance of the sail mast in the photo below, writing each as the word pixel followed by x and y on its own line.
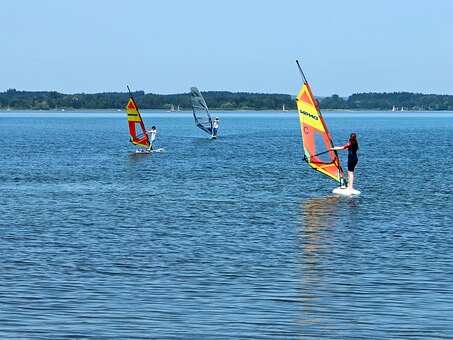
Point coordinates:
pixel 301 72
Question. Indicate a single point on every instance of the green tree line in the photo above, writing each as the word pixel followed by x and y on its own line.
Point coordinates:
pixel 388 101
pixel 223 100
pixel 219 100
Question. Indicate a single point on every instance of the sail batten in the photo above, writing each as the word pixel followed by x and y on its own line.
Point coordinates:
pixel 315 135
pixel 200 111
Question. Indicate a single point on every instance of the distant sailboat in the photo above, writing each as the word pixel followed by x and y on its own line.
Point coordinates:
pixel 284 109
pixel 172 108
pixel 393 108
pixel 178 109
pixel 402 109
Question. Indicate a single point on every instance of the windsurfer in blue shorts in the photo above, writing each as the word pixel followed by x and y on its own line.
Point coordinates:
pixel 352 146
pixel 215 127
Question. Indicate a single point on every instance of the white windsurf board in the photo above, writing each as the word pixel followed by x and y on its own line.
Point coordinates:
pixel 143 151
pixel 345 191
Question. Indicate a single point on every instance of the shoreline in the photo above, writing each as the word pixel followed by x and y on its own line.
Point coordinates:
pixel 115 110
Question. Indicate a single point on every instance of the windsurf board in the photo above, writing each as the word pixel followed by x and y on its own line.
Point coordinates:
pixel 345 191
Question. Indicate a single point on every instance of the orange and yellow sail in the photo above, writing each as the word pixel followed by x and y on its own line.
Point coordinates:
pixel 137 131
pixel 315 136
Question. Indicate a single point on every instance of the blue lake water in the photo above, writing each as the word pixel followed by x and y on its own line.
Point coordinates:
pixel 235 237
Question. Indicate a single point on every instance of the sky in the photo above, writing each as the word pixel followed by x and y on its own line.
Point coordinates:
pixel 168 46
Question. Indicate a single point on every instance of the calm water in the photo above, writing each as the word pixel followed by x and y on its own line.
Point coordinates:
pixel 229 238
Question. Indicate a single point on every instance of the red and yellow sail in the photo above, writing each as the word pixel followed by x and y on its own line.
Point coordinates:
pixel 315 136
pixel 137 129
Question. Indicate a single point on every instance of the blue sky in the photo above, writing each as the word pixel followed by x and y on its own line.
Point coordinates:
pixel 237 45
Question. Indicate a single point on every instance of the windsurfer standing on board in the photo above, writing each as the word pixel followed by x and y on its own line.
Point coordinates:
pixel 352 146
pixel 152 136
pixel 215 127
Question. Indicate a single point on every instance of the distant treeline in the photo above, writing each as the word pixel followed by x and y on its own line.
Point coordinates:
pixel 223 100
pixel 220 100
pixel 389 101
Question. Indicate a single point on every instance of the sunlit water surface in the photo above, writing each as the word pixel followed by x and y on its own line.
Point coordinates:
pixel 235 237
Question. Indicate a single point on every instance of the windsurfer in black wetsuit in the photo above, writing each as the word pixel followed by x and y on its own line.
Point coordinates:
pixel 352 146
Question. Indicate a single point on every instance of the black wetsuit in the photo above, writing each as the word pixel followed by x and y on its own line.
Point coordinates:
pixel 352 156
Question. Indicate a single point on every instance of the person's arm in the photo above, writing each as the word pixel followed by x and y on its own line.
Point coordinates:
pixel 346 146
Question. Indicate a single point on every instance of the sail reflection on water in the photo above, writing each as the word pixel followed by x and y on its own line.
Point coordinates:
pixel 317 216
pixel 317 222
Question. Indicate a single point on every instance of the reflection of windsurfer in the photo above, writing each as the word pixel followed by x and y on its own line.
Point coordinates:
pixel 318 212
pixel 152 134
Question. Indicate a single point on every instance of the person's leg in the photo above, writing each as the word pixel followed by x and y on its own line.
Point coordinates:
pixel 351 180
pixel 351 167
